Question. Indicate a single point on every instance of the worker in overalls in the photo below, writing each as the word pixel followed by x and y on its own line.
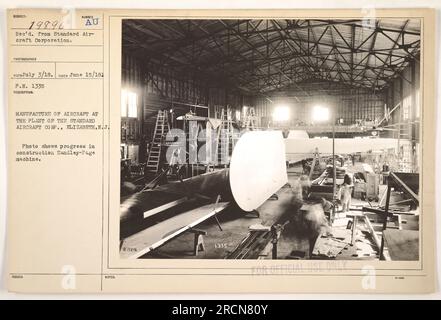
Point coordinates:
pixel 346 193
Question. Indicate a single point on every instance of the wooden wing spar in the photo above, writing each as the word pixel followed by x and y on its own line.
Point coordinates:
pixel 151 238
pixel 148 202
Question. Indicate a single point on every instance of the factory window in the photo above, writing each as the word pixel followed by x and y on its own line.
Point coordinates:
pixel 129 106
pixel 406 107
pixel 123 103
pixel 418 104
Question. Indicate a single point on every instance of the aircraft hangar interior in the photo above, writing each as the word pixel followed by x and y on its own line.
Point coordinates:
pixel 270 139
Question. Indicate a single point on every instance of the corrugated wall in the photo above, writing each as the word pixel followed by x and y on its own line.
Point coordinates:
pixel 164 89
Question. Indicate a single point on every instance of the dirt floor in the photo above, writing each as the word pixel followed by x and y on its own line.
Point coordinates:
pixel 295 241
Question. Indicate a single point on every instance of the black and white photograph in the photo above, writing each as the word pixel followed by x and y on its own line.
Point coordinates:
pixel 288 139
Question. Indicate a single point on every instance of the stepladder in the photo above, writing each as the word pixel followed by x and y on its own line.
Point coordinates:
pixel 162 127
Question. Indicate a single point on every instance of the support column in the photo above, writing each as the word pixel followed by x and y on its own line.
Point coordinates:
pixel 412 115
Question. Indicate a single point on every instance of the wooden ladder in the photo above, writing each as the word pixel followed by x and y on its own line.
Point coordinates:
pixel 224 137
pixel 161 129
pixel 250 119
pixel 405 161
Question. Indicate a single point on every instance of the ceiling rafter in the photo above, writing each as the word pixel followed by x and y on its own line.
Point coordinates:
pixel 264 55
